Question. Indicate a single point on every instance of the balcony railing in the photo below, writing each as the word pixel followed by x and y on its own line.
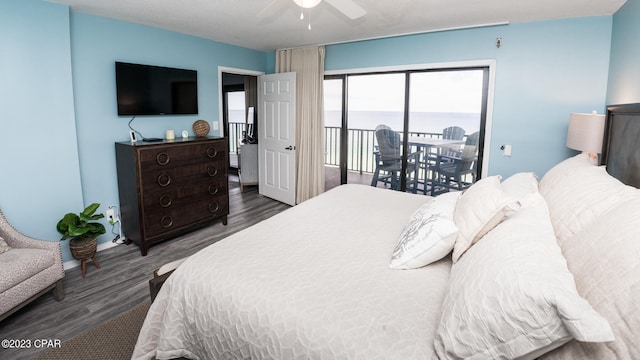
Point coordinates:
pixel 362 144
pixel 235 134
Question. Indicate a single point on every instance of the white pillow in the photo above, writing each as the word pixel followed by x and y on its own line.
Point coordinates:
pixel 512 296
pixel 603 259
pixel 428 236
pixel 480 208
pixel 521 185
pixel 578 193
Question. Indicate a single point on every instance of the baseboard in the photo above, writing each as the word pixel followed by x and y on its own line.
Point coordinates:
pixel 75 263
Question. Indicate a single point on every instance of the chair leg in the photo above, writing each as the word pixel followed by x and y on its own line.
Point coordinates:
pixel 374 180
pixel 58 291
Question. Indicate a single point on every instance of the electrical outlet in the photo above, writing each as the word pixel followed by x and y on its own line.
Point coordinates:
pixel 215 125
pixel 111 217
pixel 506 149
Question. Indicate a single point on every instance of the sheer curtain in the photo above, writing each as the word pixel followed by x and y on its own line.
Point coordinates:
pixel 308 64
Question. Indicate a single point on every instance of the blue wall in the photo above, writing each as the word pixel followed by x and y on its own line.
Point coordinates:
pixel 624 74
pixel 40 176
pixel 97 43
pixel 61 93
pixel 544 71
pixel 58 92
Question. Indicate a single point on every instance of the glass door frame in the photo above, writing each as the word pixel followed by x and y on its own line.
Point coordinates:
pixel 488 68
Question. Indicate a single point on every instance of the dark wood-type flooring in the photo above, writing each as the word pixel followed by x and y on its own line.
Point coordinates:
pixel 122 281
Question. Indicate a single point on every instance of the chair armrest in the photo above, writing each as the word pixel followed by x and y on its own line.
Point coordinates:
pixel 448 158
pixel 18 240
pixel 414 155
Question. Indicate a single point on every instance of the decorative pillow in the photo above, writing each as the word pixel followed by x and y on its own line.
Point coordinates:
pixel 578 193
pixel 521 185
pixel 4 246
pixel 428 236
pixel 480 208
pixel 603 259
pixel 512 296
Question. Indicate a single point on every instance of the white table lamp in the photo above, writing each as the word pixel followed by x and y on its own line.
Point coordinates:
pixel 585 133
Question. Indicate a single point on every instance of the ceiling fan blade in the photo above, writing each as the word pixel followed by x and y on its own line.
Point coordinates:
pixel 275 7
pixel 348 7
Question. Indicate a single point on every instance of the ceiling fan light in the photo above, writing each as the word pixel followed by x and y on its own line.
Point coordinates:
pixel 307 4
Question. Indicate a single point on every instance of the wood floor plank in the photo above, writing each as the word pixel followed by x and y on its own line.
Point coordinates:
pixel 122 281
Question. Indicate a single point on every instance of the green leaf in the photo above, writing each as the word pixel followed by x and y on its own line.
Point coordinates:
pixel 73 225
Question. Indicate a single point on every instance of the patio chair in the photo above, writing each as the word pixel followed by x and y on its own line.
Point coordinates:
pixel 388 159
pixel 451 171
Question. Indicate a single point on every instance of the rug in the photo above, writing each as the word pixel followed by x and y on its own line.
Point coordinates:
pixel 112 340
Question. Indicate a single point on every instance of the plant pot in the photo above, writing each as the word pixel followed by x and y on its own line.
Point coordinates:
pixel 83 249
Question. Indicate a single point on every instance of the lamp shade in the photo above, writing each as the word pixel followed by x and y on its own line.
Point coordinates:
pixel 586 132
pixel 307 3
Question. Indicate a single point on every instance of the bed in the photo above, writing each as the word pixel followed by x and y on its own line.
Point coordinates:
pixel 530 269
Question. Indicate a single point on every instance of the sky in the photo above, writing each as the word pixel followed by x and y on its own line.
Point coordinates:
pixel 439 91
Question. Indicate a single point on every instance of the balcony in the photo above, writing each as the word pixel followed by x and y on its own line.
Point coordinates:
pixel 360 160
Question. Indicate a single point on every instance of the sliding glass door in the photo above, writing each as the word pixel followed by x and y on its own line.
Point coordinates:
pixel 447 111
pixel 394 129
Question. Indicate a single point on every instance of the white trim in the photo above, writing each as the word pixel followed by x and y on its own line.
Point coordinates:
pixel 501 23
pixel 75 263
pixel 229 70
pixel 409 67
pixel 488 126
pixel 491 63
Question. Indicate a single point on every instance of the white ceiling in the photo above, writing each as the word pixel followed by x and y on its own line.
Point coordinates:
pixel 235 21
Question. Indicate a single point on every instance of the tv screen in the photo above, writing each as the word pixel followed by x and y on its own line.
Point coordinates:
pixel 155 90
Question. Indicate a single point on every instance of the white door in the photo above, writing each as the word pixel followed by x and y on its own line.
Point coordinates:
pixel 276 136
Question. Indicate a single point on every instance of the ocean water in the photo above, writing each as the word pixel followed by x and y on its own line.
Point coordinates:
pixel 428 122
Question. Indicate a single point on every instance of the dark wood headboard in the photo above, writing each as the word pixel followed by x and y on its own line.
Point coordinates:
pixel 621 146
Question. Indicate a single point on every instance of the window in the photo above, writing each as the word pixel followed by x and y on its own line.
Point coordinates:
pixel 417 105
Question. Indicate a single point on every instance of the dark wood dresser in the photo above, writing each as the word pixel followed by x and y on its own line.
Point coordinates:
pixel 171 187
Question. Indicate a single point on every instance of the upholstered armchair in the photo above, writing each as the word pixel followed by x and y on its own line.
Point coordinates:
pixel 29 268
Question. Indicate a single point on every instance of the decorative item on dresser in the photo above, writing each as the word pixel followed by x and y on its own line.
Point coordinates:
pixel 169 188
pixel 201 128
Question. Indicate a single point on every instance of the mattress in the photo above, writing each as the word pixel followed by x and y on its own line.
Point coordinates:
pixel 309 283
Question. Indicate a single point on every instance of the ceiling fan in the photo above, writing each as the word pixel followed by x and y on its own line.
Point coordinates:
pixel 349 8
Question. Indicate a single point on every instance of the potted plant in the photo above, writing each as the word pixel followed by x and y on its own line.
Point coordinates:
pixel 83 231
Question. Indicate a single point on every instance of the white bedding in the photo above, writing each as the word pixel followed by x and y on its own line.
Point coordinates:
pixel 310 283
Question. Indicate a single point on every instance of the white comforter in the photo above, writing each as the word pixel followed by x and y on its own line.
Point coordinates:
pixel 310 283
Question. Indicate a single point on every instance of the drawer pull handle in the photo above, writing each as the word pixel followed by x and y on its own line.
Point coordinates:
pixel 214 207
pixel 166 222
pixel 162 158
pixel 213 189
pixel 212 171
pixel 165 201
pixel 164 180
pixel 212 152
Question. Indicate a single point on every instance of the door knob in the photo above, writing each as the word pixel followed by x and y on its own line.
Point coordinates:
pixel 290 147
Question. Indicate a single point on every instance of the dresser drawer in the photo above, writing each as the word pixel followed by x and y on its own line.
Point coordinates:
pixel 183 176
pixel 179 195
pixel 162 157
pixel 175 218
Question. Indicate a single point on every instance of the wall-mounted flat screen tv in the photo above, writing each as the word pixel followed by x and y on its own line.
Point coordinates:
pixel 155 90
